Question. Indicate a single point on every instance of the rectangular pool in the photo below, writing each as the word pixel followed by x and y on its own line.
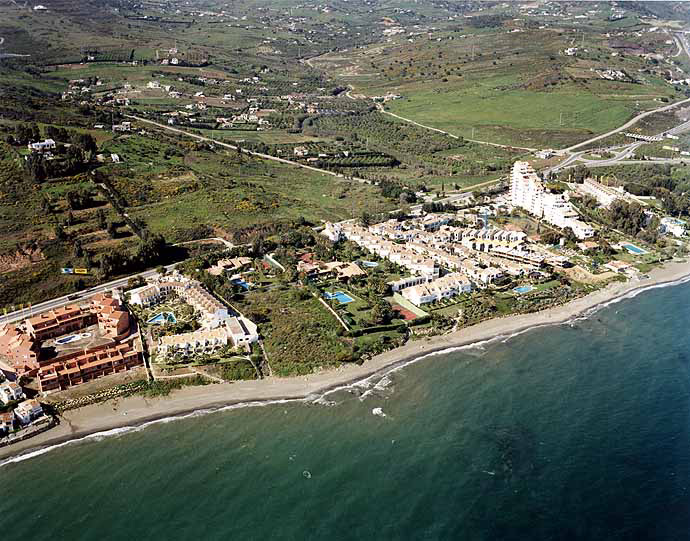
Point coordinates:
pixel 341 297
pixel 634 249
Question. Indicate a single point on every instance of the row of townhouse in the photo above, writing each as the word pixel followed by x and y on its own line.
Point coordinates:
pixel 192 292
pixel 605 195
pixel 423 259
pixel 239 330
pixel 89 364
pixel 441 288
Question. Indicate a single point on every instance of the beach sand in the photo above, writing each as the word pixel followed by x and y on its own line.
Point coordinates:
pixel 137 410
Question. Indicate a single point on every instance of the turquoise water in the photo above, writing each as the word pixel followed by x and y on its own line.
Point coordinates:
pixel 163 317
pixel 523 289
pixel 340 296
pixel 574 432
pixel 634 249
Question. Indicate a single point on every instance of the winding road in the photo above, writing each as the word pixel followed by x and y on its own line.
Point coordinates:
pixel 246 151
pixel 380 107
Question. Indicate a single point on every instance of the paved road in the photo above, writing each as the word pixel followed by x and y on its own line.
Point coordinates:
pixel 219 240
pixel 74 297
pixel 625 126
pixel 86 293
pixel 680 39
pixel 622 156
pixel 246 151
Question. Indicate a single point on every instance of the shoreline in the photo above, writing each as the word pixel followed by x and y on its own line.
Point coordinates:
pixel 137 412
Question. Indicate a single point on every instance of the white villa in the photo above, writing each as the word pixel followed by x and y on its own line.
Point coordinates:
pixel 6 421
pixel 527 191
pixel 673 226
pixel 42 146
pixel 10 391
pixel 242 331
pixel 229 265
pixel 28 411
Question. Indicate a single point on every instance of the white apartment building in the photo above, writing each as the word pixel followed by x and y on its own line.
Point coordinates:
pixel 527 191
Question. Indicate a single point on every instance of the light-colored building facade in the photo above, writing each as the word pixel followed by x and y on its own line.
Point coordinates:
pixel 442 288
pixel 10 392
pixel 28 411
pixel 528 192
pixel 673 226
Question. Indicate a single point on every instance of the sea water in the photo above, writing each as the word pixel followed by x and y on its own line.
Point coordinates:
pixel 576 431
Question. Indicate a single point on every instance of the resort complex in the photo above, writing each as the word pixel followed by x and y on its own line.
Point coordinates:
pixel 218 326
pixel 72 344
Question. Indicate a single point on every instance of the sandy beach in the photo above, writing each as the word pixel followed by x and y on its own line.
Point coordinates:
pixel 137 410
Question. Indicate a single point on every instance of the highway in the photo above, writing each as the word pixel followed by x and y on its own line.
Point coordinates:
pixel 683 43
pixel 72 298
pixel 624 126
pixel 86 293
pixel 624 152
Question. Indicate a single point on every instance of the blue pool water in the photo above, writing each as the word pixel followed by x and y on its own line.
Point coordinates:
pixel 71 338
pixel 163 317
pixel 342 298
pixel 523 289
pixel 244 285
pixel 634 249
pixel 370 264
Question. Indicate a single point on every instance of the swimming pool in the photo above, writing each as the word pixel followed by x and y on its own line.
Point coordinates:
pixel 370 264
pixel 523 289
pixel 163 317
pixel 634 249
pixel 341 297
pixel 72 338
pixel 244 285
